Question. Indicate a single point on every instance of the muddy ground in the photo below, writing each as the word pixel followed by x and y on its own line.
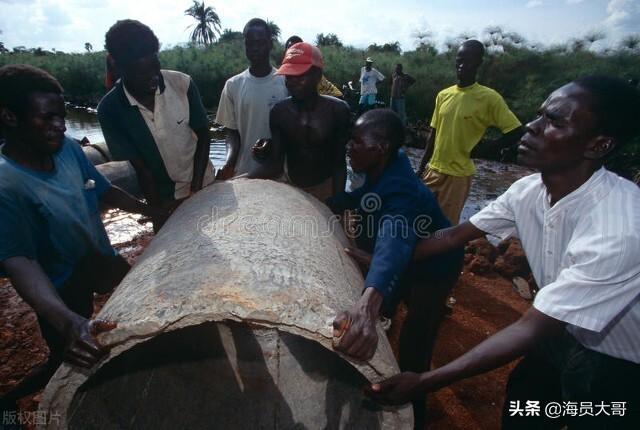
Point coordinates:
pixel 483 304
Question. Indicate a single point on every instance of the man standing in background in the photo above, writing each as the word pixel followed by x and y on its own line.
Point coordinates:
pixel 245 103
pixel 462 114
pixel 369 77
pixel 400 81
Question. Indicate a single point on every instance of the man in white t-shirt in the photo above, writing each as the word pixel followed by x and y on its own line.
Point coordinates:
pixel 580 228
pixel 245 103
pixel 369 77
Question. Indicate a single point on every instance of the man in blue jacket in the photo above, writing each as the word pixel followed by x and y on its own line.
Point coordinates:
pixel 395 209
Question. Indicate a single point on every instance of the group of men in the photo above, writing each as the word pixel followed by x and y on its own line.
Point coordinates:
pixel 578 222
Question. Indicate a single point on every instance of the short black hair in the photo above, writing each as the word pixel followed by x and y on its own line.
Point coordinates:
pixel 257 22
pixel 129 40
pixel 293 40
pixel 476 45
pixel 384 124
pixel 17 81
pixel 616 105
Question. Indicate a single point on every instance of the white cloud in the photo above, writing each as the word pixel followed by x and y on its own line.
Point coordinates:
pixel 533 3
pixel 574 1
pixel 623 15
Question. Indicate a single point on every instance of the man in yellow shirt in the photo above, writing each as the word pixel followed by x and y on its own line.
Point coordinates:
pixel 462 114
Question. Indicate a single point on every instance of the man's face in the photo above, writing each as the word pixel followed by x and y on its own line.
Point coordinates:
pixel 468 61
pixel 142 77
pixel 363 151
pixel 398 69
pixel 41 126
pixel 561 133
pixel 257 45
pixel 368 65
pixel 304 86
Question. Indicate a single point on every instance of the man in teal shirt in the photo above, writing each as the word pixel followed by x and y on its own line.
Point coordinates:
pixel 54 247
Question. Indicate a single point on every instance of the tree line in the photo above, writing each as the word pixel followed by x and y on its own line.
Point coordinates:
pixel 523 73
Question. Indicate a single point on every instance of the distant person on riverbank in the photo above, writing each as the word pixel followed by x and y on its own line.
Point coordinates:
pixel 245 103
pixel 580 230
pixel 309 130
pixel 461 117
pixel 154 119
pixel 54 247
pixel 325 86
pixel 400 81
pixel 395 209
pixel 369 78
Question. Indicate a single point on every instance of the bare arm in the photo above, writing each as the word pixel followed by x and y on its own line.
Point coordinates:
pixel 440 242
pixel 118 198
pixel 508 344
pixel 146 181
pixel 490 147
pixel 33 285
pixel 446 239
pixel 232 139
pixel 340 163
pixel 428 153
pixel 200 158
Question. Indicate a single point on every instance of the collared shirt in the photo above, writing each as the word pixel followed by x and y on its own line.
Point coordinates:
pixel 461 117
pixel 53 217
pixel 584 253
pixel 164 139
pixel 394 212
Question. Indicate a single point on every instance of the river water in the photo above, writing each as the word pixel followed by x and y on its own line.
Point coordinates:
pixel 491 180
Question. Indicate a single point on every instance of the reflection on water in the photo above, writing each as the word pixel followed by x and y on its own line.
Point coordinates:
pixel 81 123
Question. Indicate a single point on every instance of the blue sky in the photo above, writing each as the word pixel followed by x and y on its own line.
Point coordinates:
pixel 67 24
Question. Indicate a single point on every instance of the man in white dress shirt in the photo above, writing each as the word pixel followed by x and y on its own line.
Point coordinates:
pixel 580 228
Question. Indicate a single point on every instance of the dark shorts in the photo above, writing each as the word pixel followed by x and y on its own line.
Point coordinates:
pixel 587 385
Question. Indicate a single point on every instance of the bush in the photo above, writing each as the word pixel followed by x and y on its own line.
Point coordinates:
pixel 524 76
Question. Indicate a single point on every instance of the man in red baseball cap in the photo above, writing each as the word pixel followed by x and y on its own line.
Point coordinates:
pixel 308 130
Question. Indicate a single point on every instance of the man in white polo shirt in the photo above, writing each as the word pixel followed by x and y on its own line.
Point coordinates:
pixel 155 119
pixel 580 228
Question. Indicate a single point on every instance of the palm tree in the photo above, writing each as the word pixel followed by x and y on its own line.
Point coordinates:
pixel 88 47
pixel 204 31
pixel 275 30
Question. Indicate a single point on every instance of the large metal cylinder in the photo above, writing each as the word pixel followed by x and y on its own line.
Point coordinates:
pixel 121 174
pixel 97 153
pixel 225 322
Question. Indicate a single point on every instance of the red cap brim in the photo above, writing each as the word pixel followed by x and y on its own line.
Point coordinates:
pixel 293 69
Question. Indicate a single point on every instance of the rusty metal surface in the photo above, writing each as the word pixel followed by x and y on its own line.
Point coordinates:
pixel 251 251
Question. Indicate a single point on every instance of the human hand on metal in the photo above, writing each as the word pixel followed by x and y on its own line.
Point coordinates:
pixel 355 331
pixel 81 345
pixel 262 149
pixel 397 390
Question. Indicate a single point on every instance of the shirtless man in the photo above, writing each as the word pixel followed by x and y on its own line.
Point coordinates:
pixel 308 130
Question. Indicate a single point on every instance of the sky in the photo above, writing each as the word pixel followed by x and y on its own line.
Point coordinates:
pixel 66 25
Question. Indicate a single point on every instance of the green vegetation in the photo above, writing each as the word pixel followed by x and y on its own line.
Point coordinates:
pixel 522 73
